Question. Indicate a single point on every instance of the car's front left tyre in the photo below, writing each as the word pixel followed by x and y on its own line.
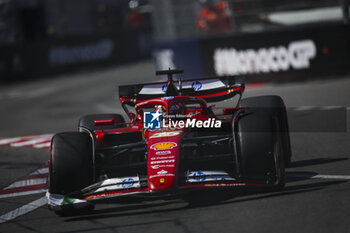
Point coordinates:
pixel 259 150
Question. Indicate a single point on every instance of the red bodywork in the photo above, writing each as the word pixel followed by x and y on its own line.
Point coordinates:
pixel 162 148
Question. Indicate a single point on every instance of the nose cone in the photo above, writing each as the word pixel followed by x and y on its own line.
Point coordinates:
pixel 161 183
pixel 162 160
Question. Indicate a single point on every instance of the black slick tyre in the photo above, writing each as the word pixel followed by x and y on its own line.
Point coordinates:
pixel 71 165
pixel 258 148
pixel 275 106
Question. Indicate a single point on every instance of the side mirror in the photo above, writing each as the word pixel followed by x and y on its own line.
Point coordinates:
pixel 104 122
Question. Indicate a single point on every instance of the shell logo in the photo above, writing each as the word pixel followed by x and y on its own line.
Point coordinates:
pixel 163 145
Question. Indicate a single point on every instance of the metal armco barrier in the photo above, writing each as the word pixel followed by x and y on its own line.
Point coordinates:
pixel 293 53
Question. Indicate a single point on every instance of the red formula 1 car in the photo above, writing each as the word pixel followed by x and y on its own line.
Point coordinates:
pixel 172 144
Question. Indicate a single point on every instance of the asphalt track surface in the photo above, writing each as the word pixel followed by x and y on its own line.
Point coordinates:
pixel 310 202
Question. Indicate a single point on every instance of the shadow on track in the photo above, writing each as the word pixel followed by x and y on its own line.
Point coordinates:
pixel 16 165
pixel 209 198
pixel 310 162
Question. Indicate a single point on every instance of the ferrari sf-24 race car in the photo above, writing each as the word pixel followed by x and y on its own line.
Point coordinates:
pixel 172 144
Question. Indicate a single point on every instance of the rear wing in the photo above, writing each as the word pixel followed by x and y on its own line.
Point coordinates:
pixel 211 89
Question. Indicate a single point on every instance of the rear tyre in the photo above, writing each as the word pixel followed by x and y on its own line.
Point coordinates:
pixel 88 121
pixel 275 106
pixel 259 150
pixel 71 165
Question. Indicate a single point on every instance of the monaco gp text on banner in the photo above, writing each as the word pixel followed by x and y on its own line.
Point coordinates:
pixel 229 61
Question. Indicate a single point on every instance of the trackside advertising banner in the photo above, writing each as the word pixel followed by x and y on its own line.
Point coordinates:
pixel 65 54
pixel 293 53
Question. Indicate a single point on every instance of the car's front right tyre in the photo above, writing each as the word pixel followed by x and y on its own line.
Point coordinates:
pixel 71 166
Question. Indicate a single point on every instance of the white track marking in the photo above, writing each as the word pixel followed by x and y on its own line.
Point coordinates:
pixel 33 141
pixel 336 177
pixel 28 143
pixel 26 184
pixel 23 210
pixel 22 183
pixel 331 107
pixel 307 108
pixel 36 141
pixel 43 201
pixel 304 108
pixel 9 140
pixel 25 193
pixel 317 176
pixel 40 171
pixel 43 145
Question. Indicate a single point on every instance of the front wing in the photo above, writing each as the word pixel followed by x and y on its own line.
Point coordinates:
pixel 130 187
